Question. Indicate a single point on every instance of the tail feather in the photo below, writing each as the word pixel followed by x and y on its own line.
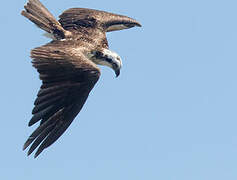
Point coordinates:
pixel 39 14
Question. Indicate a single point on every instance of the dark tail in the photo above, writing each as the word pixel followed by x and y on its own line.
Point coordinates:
pixel 38 14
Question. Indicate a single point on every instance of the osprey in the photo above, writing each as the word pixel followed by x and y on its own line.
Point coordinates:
pixel 68 65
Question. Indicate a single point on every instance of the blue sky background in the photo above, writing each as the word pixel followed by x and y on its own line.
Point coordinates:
pixel 171 115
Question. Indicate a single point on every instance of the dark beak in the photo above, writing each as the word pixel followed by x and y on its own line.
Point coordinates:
pixel 117 72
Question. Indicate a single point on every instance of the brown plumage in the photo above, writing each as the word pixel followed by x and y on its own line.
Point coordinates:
pixel 66 70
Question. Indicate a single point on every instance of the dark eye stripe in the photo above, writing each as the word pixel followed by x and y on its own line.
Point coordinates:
pixel 108 60
pixel 98 54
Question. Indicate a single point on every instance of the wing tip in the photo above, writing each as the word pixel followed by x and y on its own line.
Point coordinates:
pixel 30 123
pixel 24 147
pixel 27 143
pixel 39 150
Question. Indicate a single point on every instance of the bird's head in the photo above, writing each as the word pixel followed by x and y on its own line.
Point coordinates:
pixel 108 58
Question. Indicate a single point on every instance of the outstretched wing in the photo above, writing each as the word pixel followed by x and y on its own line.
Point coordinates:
pixel 67 80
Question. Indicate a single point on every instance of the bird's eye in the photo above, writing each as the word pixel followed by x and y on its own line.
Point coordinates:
pixel 108 60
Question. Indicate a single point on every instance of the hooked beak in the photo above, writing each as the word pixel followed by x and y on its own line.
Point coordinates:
pixel 117 72
pixel 116 69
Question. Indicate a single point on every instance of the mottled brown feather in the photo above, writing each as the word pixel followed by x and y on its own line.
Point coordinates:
pixel 67 74
pixel 65 92
pixel 37 13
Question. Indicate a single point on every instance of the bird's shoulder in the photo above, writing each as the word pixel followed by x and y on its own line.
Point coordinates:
pixel 71 54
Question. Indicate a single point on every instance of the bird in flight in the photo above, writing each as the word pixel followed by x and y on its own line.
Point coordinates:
pixel 67 65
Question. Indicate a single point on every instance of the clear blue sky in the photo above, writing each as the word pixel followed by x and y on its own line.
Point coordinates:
pixel 171 115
